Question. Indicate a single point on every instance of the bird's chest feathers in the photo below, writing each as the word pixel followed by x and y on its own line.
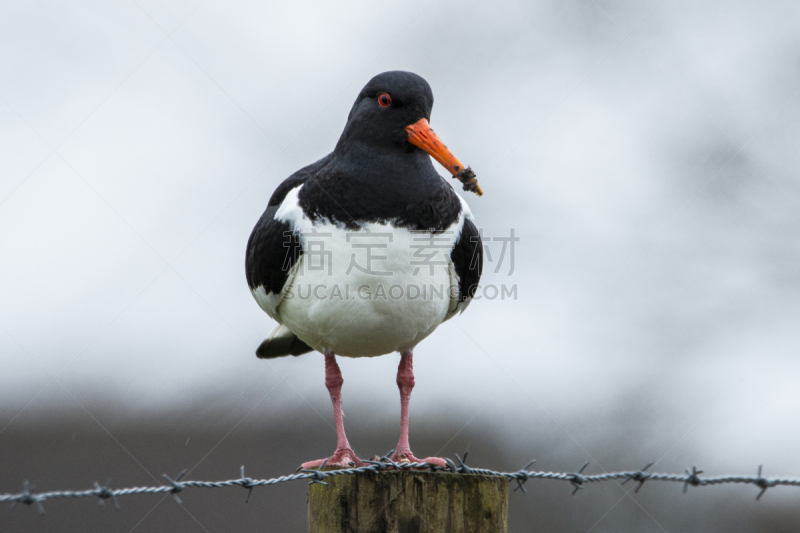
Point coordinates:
pixel 376 253
pixel 392 281
pixel 427 203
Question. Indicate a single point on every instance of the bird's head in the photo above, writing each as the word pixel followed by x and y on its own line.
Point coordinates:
pixel 391 114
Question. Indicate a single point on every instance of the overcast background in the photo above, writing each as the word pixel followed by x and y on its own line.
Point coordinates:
pixel 645 154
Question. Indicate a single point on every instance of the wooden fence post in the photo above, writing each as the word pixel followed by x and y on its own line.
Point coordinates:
pixel 408 502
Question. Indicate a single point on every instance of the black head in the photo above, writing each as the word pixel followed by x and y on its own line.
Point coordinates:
pixel 386 105
pixel 388 131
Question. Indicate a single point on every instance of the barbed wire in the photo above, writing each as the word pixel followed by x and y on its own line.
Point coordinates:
pixel 577 479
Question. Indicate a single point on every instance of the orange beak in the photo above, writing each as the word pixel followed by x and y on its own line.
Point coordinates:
pixel 422 136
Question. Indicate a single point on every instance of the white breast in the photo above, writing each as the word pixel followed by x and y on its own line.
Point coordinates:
pixel 368 292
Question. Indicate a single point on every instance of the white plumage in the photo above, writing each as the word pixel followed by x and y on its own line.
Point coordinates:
pixel 410 285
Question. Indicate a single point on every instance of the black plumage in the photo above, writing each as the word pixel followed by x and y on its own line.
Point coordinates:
pixel 467 258
pixel 373 175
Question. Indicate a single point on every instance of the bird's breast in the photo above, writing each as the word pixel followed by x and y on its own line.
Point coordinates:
pixel 369 292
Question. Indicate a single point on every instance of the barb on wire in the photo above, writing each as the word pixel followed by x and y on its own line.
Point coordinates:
pixel 764 484
pixel 692 478
pixel 578 480
pixel 463 469
pixel 641 476
pixel 105 492
pixel 247 484
pixel 523 477
pixel 176 485
pixel 28 497
pixel 317 475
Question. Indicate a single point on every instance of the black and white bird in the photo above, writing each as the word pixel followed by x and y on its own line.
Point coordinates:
pixel 368 250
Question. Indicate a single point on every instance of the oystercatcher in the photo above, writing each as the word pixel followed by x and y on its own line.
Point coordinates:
pixel 368 250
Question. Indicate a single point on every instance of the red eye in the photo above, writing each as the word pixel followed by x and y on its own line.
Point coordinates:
pixel 384 100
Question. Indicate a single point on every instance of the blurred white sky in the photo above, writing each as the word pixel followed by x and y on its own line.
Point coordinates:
pixel 644 152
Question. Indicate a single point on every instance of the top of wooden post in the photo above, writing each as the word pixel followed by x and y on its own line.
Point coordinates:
pixel 407 501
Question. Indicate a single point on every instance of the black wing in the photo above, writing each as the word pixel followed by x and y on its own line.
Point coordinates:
pixel 272 250
pixel 274 246
pixel 467 258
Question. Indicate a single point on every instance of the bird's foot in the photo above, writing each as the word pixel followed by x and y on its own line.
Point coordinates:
pixel 405 456
pixel 342 457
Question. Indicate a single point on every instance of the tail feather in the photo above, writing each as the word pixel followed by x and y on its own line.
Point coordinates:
pixel 282 342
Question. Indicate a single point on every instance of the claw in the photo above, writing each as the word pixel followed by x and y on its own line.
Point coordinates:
pixel 408 457
pixel 343 457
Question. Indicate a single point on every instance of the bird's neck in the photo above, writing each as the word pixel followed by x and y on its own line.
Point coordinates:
pixel 364 184
pixel 391 171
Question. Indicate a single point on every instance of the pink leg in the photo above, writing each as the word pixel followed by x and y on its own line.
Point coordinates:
pixel 405 382
pixel 344 455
